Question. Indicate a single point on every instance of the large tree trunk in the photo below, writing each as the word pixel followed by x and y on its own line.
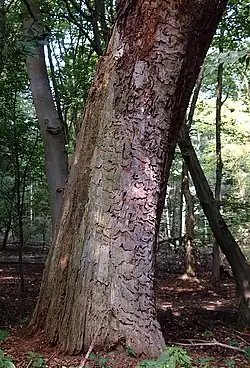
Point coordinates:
pixel 222 234
pixel 99 274
pixel 56 160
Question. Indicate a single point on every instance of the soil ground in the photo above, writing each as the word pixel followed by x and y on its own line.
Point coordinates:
pixel 188 310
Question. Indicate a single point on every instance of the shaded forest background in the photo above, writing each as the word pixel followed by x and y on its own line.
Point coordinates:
pixel 73 40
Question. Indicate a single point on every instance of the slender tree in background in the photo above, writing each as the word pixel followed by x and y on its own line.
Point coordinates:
pixel 93 19
pixel 219 164
pixel 189 224
pixel 174 210
pixel 99 274
pixel 56 159
pixel 222 234
pixel 190 216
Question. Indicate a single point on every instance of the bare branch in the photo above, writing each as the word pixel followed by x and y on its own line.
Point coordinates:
pixel 84 360
pixel 72 19
pixel 195 96
pixel 194 343
pixel 222 102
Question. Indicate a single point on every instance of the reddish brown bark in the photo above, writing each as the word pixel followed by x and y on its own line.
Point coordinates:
pixel 99 275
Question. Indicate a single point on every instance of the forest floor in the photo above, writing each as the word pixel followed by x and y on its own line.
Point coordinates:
pixel 188 310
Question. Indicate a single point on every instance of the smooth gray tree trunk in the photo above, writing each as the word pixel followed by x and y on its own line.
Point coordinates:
pixel 56 159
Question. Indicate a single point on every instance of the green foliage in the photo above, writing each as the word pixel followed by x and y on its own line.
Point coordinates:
pixel 92 357
pixel 5 361
pixel 100 360
pixel 235 190
pixel 231 363
pixel 130 351
pixel 172 357
pixel 37 360
pixel 232 57
pixel 247 352
pixel 205 362
pixel 3 334
pixel 234 342
pixel 207 333
pixel 22 186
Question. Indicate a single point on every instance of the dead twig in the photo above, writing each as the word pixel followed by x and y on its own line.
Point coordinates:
pixel 243 340
pixel 91 347
pixel 52 356
pixel 195 340
pixel 242 333
pixel 194 343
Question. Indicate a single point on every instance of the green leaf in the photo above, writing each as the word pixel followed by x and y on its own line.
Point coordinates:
pixel 148 364
pixel 8 364
pixel 101 361
pixel 3 334
pixel 207 333
pixel 205 362
pixel 92 356
pixel 231 363
pixel 247 353
pixel 130 351
pixel 234 342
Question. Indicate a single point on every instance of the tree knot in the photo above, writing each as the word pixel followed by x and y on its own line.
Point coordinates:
pixel 52 129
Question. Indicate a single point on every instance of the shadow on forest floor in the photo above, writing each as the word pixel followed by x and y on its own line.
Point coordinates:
pixel 187 309
pixel 194 305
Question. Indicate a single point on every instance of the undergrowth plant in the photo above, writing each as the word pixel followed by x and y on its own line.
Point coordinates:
pixel 206 362
pixel 231 363
pixel 101 361
pixel 3 335
pixel 5 361
pixel 172 357
pixel 36 360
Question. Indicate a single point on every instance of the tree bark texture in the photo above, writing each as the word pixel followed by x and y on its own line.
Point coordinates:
pixel 99 274
pixel 222 234
pixel 56 160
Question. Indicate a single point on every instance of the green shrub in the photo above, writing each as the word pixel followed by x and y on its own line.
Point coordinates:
pixel 5 361
pixel 3 334
pixel 36 360
pixel 172 357
pixel 205 362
